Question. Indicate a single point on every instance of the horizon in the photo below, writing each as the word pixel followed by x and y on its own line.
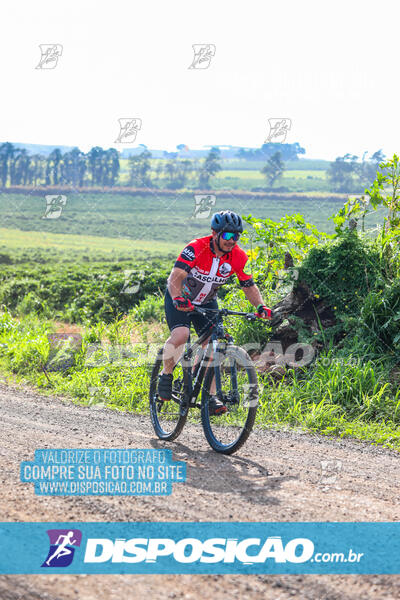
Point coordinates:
pixel 204 148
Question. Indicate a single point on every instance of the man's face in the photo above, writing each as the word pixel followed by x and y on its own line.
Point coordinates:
pixel 226 245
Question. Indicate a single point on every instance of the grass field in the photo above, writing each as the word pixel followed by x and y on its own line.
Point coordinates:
pixel 156 223
pixel 13 239
pixel 346 397
pixel 157 218
pixel 293 180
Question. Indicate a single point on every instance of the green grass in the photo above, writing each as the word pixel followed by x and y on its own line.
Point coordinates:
pixel 166 221
pixel 344 400
pixel 293 180
pixel 84 292
pixel 12 239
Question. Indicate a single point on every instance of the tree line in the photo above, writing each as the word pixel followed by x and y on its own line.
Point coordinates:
pixel 347 173
pixel 96 167
pixel 100 167
pixel 174 174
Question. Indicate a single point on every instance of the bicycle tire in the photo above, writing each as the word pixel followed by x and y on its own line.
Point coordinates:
pixel 212 425
pixel 161 412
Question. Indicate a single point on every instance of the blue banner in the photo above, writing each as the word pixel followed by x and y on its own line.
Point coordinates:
pixel 220 548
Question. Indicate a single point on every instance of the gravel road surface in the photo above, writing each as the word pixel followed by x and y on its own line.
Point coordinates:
pixel 276 476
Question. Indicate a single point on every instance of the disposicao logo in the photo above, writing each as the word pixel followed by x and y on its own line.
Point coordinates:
pixel 61 551
pixel 189 550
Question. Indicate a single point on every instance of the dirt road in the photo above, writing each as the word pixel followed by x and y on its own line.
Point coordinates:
pixel 276 476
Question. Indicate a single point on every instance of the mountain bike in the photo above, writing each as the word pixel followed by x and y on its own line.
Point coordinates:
pixel 235 382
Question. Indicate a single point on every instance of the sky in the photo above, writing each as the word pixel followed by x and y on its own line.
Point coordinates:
pixel 330 67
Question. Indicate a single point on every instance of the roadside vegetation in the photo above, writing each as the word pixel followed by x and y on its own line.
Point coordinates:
pixel 337 293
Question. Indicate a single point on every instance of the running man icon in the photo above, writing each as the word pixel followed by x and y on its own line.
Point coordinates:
pixel 61 552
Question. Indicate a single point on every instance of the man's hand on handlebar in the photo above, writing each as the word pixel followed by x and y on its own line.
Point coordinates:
pixel 263 312
pixel 183 304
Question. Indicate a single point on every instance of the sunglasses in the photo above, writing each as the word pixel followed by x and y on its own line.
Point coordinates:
pixel 228 235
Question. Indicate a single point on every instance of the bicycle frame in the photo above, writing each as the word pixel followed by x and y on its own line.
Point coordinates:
pixel 196 378
pixel 230 369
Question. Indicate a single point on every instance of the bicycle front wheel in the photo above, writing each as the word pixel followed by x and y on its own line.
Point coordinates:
pixel 167 418
pixel 228 432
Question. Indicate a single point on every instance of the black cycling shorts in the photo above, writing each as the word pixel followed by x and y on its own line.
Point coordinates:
pixel 179 318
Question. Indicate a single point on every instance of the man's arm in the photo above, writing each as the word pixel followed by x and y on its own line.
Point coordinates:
pixel 175 280
pixel 253 295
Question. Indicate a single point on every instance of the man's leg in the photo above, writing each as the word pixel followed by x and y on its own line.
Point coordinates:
pixel 204 345
pixel 174 347
pixel 178 323
pixel 201 323
pixel 216 407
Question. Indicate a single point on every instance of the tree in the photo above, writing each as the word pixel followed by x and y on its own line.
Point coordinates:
pixel 21 167
pixel 177 173
pixel 210 167
pixel 368 169
pixel 53 166
pixel 139 168
pixel 273 169
pixel 36 169
pixel 7 153
pixel 74 167
pixel 158 171
pixel 342 172
pixel 95 164
pixel 111 172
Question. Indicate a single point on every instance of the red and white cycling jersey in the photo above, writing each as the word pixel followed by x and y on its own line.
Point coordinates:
pixel 207 272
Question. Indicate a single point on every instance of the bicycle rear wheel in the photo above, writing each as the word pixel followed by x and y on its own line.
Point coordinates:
pixel 228 432
pixel 167 418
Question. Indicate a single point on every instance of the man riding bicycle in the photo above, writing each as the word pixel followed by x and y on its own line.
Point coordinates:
pixel 201 268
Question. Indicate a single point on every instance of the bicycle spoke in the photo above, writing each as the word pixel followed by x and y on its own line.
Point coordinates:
pixel 227 432
pixel 166 416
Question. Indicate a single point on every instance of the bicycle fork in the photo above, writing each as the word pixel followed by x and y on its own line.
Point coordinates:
pixel 234 395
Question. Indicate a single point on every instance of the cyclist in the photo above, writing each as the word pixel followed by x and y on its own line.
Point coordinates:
pixel 201 268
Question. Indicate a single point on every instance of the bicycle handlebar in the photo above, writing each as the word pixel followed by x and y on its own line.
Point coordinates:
pixel 226 312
